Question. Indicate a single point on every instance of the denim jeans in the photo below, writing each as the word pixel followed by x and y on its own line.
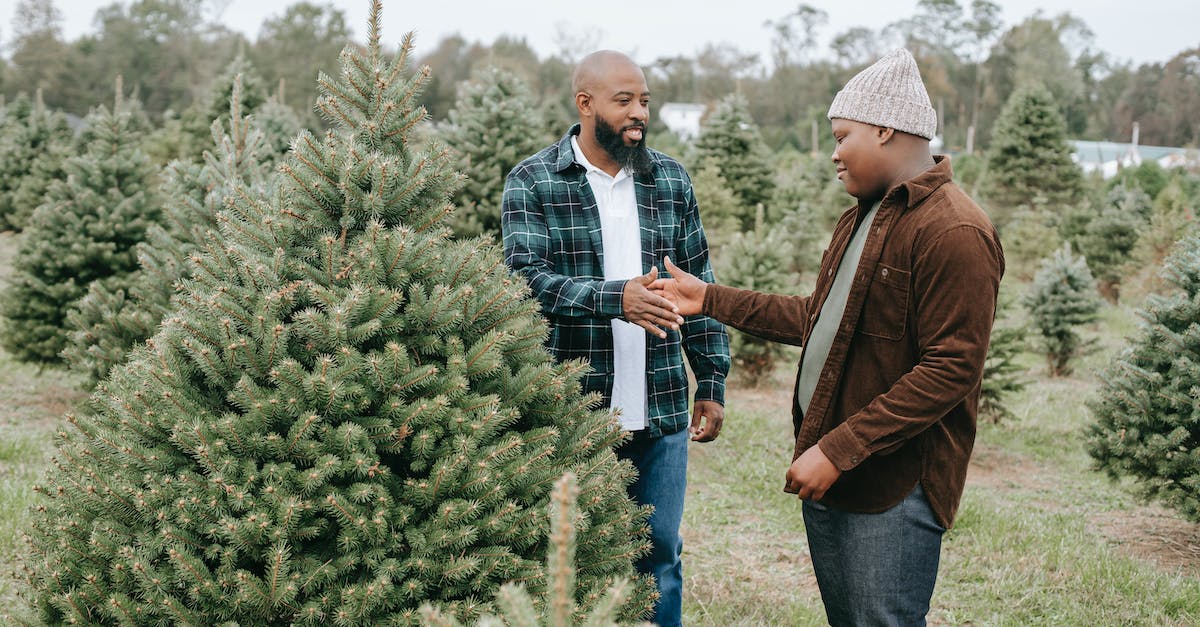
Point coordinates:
pixel 662 480
pixel 875 569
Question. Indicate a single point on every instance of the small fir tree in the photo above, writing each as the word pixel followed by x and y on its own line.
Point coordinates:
pixel 1172 218
pixel 34 144
pixel 348 415
pixel 1108 239
pixel 189 135
pixel 1029 159
pixel 279 123
pixel 758 260
pixel 1062 297
pixel 558 609
pixel 1030 236
pixel 720 209
pixel 85 232
pixel 733 140
pixel 1147 416
pixel 114 316
pixel 808 202
pixel 495 123
pixel 1002 375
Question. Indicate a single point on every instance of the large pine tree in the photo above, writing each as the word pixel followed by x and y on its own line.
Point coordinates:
pixel 349 414
pixel 732 139
pixel 1147 415
pixel 494 124
pixel 1029 161
pixel 84 232
pixel 116 315
pixel 34 144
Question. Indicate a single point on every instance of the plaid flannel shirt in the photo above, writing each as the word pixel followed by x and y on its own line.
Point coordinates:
pixel 552 237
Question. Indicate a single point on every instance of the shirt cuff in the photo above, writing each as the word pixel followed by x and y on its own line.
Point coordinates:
pixel 711 388
pixel 843 448
pixel 609 299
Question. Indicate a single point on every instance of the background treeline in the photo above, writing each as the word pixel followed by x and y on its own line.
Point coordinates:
pixel 168 50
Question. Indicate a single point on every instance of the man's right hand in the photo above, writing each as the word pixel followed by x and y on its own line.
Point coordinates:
pixel 646 309
pixel 683 289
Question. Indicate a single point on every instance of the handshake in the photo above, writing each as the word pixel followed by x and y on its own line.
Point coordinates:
pixel 659 304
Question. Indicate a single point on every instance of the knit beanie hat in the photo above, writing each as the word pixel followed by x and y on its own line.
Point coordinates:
pixel 889 94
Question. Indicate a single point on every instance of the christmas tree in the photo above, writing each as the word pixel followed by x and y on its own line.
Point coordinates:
pixel 732 139
pixel 278 123
pixel 1147 417
pixel 34 143
pixel 1029 162
pixel 187 136
pixel 808 202
pixel 494 124
pixel 558 609
pixel 1062 297
pixel 1172 218
pixel 721 209
pixel 348 415
pixel 114 316
pixel 84 232
pixel 1002 375
pixel 757 260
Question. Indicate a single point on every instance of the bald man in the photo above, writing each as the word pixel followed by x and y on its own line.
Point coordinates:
pixel 585 221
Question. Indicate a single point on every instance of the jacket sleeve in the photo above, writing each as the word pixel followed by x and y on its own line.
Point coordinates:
pixel 955 281
pixel 773 317
pixel 705 341
pixel 527 252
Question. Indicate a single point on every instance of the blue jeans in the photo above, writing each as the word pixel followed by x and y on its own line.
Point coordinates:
pixel 662 479
pixel 875 569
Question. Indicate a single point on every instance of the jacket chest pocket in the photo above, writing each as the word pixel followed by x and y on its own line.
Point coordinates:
pixel 886 308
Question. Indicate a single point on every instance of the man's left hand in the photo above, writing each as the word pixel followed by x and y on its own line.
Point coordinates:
pixel 707 418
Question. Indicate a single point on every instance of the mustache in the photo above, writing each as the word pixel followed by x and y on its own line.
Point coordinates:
pixel 641 125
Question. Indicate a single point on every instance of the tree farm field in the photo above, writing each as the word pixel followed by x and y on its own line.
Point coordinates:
pixel 1041 538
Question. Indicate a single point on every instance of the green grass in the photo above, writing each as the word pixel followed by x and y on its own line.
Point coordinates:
pixel 1041 538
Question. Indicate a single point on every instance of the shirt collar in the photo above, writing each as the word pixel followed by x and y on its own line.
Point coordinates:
pixel 582 160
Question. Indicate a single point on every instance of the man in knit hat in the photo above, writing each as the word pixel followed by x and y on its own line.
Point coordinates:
pixel 895 335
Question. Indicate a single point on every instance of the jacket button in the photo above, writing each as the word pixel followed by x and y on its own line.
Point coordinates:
pixel 885 272
pixel 830 273
pixel 854 459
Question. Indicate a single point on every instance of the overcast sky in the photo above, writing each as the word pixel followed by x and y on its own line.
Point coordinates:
pixel 1140 31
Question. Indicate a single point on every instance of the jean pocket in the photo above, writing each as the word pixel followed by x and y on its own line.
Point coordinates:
pixel 817 505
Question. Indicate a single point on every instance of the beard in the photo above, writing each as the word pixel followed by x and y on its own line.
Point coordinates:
pixel 635 158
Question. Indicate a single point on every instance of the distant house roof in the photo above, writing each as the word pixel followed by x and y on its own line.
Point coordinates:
pixel 1109 157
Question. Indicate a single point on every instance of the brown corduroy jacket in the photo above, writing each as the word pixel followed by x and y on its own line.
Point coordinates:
pixel 896 402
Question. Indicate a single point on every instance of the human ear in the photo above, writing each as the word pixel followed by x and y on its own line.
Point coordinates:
pixel 884 134
pixel 583 102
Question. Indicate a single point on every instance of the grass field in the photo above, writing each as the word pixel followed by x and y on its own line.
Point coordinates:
pixel 1041 539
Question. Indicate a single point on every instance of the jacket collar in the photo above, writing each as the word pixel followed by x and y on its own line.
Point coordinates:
pixel 918 188
pixel 566 155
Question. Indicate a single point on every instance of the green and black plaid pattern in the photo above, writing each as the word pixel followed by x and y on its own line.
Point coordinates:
pixel 552 237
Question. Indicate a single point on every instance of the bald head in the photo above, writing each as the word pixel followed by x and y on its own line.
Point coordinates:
pixel 597 66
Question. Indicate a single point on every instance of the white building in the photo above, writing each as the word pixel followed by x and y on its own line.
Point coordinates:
pixel 1108 158
pixel 682 118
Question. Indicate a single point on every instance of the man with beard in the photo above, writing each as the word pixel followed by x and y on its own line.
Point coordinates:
pixel 584 221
